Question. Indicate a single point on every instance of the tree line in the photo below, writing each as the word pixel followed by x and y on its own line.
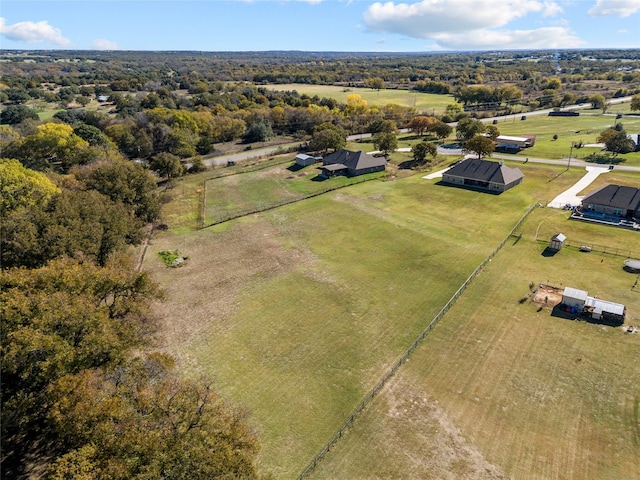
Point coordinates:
pixel 83 393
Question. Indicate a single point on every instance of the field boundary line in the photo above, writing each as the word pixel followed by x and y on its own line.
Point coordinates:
pixel 403 358
pixel 244 213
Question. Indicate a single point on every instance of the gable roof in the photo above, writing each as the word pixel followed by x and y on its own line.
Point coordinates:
pixel 615 196
pixel 485 171
pixel 354 160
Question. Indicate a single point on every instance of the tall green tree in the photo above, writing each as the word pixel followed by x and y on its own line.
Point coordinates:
pixel 467 128
pixel 421 150
pixel 327 136
pixel 481 145
pixel 22 187
pixel 167 166
pixel 146 422
pixel 73 223
pixel 385 142
pixel 125 182
pixel 59 320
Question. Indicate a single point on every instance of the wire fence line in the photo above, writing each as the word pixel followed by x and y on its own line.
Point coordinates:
pixel 593 247
pixel 403 358
pixel 271 206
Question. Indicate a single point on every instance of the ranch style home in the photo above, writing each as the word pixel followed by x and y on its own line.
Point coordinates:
pixel 483 175
pixel 346 162
pixel 614 200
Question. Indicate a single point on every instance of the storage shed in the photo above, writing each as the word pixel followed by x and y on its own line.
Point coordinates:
pixel 304 160
pixel 574 298
pixel 557 241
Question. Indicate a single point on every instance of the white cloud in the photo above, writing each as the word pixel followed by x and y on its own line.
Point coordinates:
pixel 483 39
pixel 104 44
pixel 551 9
pixel 470 24
pixel 33 32
pixel 622 8
pixel 429 17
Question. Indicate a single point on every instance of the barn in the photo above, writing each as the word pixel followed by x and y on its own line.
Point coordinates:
pixel 605 311
pixel 557 241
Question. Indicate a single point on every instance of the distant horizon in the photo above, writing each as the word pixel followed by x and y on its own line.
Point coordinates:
pixel 409 26
pixel 439 52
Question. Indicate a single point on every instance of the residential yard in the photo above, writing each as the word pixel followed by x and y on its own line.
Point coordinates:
pixel 503 389
pixel 297 312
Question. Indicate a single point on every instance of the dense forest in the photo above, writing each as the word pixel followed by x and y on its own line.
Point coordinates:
pixel 82 389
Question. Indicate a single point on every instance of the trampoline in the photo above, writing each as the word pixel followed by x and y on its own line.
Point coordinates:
pixel 632 265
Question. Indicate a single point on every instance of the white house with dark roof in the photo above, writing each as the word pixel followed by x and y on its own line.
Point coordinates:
pixel 483 175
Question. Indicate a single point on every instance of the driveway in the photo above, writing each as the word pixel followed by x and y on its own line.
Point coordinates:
pixel 570 196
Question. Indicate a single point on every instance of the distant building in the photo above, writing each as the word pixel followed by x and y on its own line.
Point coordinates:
pixel 483 175
pixel 346 162
pixel 506 141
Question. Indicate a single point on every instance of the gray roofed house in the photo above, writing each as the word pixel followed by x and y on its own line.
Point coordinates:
pixel 615 200
pixel 346 162
pixel 483 175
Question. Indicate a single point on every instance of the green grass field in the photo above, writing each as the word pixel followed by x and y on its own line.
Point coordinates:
pixel 237 195
pixel 519 392
pixel 297 312
pixel 429 103
pixel 583 129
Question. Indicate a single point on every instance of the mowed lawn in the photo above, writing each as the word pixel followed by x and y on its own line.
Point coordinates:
pixel 297 312
pixel 233 195
pixel 501 388
pixel 430 103
pixel 570 130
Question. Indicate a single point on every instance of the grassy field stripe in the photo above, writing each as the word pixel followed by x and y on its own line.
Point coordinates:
pixel 403 358
pixel 281 204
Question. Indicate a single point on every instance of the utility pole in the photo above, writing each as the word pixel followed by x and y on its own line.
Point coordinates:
pixel 570 152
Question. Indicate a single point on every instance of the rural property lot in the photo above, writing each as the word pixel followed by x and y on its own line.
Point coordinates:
pixel 299 311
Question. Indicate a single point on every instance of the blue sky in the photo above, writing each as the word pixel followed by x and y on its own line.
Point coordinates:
pixel 319 25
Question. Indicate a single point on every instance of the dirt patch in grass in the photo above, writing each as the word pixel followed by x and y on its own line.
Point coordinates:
pixel 205 290
pixel 548 295
pixel 419 439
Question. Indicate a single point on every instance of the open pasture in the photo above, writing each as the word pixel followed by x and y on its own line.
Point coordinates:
pixel 297 312
pixel 427 103
pixel 236 195
pixel 516 391
pixel 570 130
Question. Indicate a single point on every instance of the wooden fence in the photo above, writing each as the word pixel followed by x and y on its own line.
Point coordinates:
pixel 403 358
